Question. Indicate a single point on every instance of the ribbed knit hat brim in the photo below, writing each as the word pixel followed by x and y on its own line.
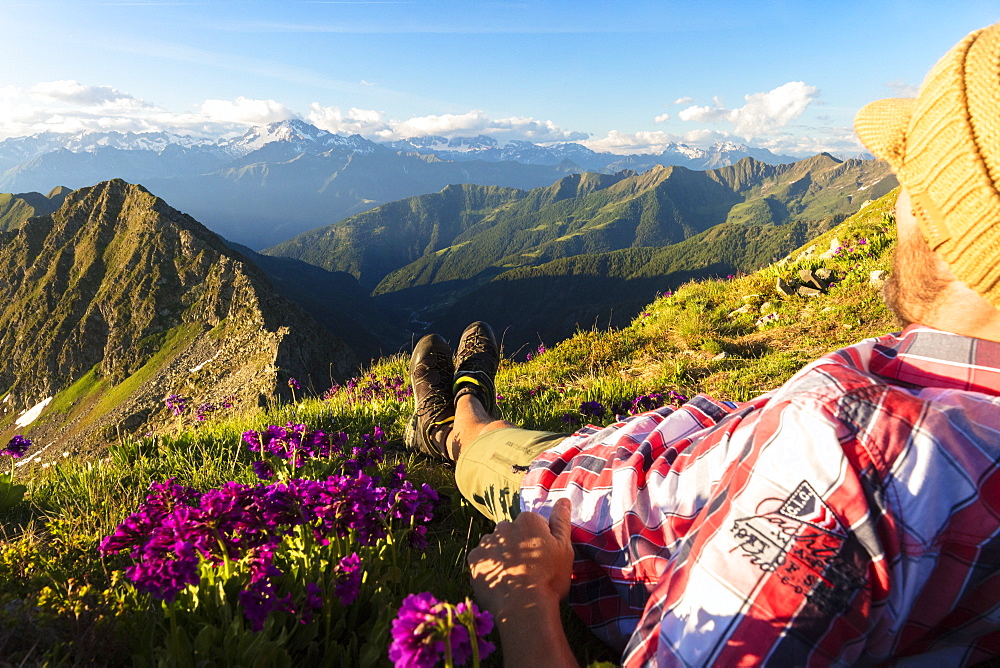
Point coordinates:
pixel 944 146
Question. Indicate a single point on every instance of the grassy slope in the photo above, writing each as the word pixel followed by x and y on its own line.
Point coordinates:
pixel 59 601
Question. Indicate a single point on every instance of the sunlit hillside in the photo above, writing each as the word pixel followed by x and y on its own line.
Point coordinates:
pixel 65 601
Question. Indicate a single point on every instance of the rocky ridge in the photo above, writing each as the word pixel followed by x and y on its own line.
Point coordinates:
pixel 116 300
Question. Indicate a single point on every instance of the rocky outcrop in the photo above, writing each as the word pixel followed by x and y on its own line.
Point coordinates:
pixel 136 300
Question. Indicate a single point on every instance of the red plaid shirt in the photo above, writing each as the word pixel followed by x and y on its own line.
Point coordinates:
pixel 852 515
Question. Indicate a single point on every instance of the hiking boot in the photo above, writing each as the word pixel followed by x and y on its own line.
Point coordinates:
pixel 431 374
pixel 476 360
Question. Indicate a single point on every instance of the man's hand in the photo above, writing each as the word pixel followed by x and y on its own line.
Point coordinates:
pixel 520 572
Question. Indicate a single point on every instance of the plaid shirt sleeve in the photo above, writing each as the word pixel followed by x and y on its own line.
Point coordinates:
pixel 807 527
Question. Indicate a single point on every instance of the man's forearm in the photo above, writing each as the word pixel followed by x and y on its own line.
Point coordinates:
pixel 533 635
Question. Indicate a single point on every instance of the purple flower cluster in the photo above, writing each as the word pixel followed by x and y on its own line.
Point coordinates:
pixel 538 351
pixel 859 248
pixel 424 624
pixel 178 530
pixel 588 409
pixel 293 443
pixel 372 388
pixel 204 411
pixel 648 402
pixel 176 404
pixel 593 409
pixel 348 572
pixel 16 447
pixel 294 384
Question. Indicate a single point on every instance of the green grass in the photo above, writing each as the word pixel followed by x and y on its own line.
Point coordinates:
pixel 60 604
pixel 173 342
pixel 89 385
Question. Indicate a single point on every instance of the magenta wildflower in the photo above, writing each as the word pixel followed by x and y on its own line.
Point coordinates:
pixel 294 384
pixel 261 598
pixel 203 411
pixel 16 447
pixel 372 388
pixel 414 639
pixel 348 572
pixel 178 532
pixel 481 623
pixel 677 398
pixel 296 443
pixel 423 624
pixel 176 404
pixel 263 470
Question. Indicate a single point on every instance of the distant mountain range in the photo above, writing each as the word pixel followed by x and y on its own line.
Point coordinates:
pixel 282 179
pixel 111 299
pixel 591 246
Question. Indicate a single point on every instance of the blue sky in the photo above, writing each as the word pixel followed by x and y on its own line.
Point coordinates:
pixel 624 76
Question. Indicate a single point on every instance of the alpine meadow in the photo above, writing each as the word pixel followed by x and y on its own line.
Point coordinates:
pixel 226 227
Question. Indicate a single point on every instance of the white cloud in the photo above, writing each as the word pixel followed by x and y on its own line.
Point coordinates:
pixel 767 119
pixel 523 127
pixel 903 89
pixel 68 106
pixel 355 121
pixel 762 115
pixel 633 142
pixel 366 83
pixel 704 114
pixel 836 140
pixel 244 111
pixel 684 100
pixel 474 122
pixel 72 92
pixel 705 137
pixel 71 107
pixel 766 112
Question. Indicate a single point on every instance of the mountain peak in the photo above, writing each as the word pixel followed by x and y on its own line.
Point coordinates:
pixel 118 287
pixel 296 137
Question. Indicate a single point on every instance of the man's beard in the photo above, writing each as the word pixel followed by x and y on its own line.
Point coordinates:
pixel 915 285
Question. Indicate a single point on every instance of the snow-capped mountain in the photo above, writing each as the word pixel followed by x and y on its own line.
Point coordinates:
pixel 281 179
pixel 525 152
pixel 18 149
pixel 285 140
pixel 297 137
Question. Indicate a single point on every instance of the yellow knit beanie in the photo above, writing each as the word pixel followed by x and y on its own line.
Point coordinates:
pixel 944 146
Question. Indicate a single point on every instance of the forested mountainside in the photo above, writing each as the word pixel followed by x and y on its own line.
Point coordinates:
pixel 591 247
